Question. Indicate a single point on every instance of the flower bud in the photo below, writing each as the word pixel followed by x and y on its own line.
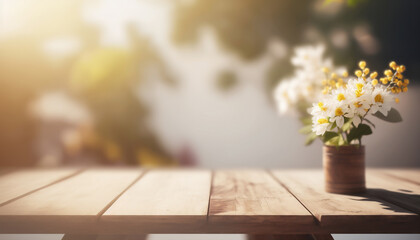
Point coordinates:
pixel 388 72
pixel 401 68
pixel 373 75
pixel 362 64
pixel 366 71
pixel 393 65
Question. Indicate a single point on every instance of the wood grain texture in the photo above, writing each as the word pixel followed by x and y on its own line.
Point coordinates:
pixel 4 171
pixel 344 169
pixel 79 237
pixel 176 199
pixel 410 175
pixel 68 204
pixel 322 236
pixel 345 213
pixel 395 190
pixel 280 237
pixel 244 197
pixel 19 183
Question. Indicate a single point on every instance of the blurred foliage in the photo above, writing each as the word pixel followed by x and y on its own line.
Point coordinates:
pixel 350 3
pixel 105 79
pixel 226 80
pixel 23 69
pixel 245 27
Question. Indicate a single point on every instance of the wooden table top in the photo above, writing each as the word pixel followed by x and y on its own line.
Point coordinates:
pixel 135 201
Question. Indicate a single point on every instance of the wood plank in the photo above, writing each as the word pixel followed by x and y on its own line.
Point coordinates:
pixel 70 205
pixel 79 237
pixel 4 171
pixel 175 199
pixel 19 183
pixel 322 236
pixel 121 237
pixel 103 237
pixel 241 198
pixel 346 213
pixel 280 237
pixel 411 175
pixel 395 190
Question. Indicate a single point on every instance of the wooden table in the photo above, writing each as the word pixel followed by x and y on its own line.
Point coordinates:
pixel 127 202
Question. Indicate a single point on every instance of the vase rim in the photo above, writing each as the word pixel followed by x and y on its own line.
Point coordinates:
pixel 351 149
pixel 345 146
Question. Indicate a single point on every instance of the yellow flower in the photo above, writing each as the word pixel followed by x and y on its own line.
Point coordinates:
pixel 379 98
pixel 341 97
pixel 401 69
pixel 362 64
pixel 322 121
pixel 366 71
pixel 373 75
pixel 393 65
pixel 321 106
pixel 338 111
pixel 358 104
pixel 388 73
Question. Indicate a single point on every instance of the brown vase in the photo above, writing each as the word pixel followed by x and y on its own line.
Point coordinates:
pixel 344 169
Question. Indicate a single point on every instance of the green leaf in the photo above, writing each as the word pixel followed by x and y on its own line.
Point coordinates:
pixel 306 129
pixel 393 116
pixel 306 120
pixel 310 138
pixel 336 141
pixel 329 135
pixel 334 125
pixel 347 124
pixel 357 133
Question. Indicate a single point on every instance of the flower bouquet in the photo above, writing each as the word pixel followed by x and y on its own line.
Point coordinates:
pixel 339 117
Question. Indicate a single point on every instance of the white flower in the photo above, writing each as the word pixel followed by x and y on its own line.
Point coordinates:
pixel 320 124
pixel 282 97
pixel 319 108
pixel 359 88
pixel 305 86
pixel 311 58
pixel 341 96
pixel 359 94
pixel 287 95
pixel 381 100
pixel 339 110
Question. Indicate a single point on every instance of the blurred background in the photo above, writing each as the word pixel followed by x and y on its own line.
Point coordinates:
pixel 187 82
pixel 167 83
